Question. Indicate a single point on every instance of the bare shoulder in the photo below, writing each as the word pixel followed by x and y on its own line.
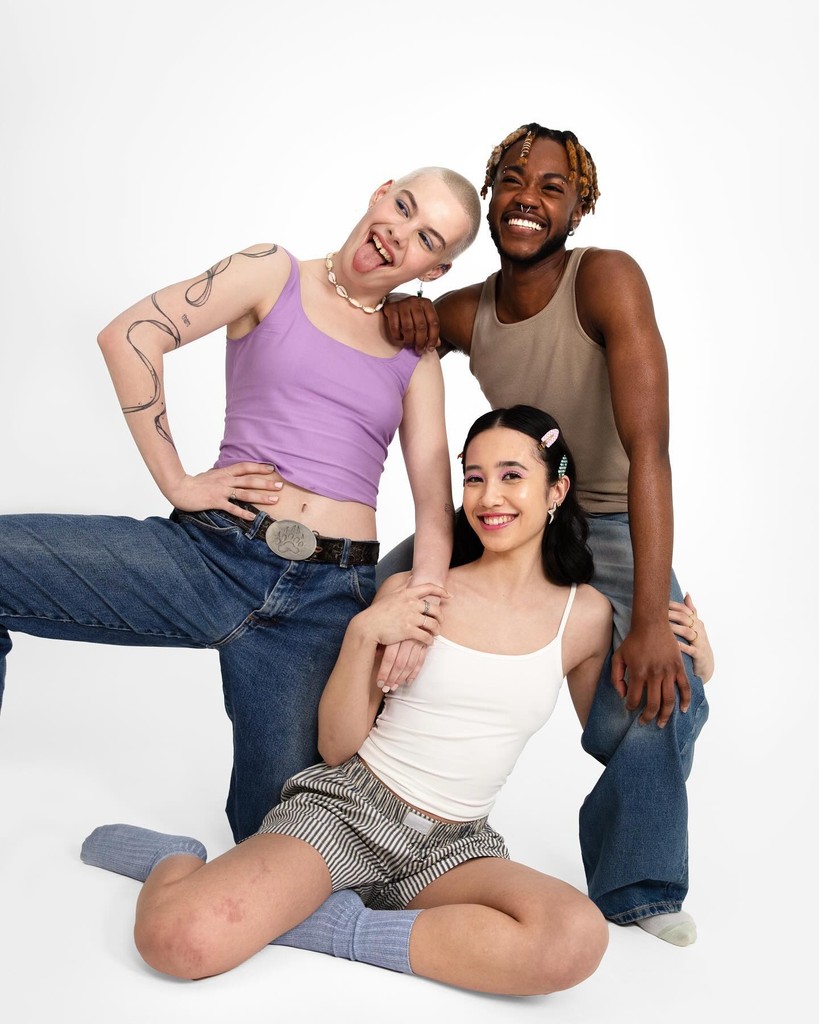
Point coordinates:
pixel 591 616
pixel 428 368
pixel 608 269
pixel 271 263
pixel 611 291
pixel 264 258
pixel 261 270
pixel 456 314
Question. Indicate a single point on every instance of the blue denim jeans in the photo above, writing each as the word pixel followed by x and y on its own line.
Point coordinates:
pixel 634 823
pixel 194 580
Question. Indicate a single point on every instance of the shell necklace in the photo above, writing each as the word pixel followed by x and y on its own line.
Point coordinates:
pixel 342 291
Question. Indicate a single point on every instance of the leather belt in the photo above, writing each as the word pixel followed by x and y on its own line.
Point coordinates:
pixel 290 539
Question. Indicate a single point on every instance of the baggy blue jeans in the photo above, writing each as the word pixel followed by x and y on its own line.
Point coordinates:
pixel 194 580
pixel 634 823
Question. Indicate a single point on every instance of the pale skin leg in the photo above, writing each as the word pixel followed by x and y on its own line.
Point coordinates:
pixel 488 925
pixel 195 920
pixel 495 926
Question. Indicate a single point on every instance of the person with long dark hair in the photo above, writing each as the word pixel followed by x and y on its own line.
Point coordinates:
pixel 388 836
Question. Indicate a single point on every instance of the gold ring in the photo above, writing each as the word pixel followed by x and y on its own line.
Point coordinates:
pixel 232 496
pixel 696 634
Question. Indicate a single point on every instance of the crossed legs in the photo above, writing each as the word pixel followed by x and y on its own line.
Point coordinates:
pixel 488 925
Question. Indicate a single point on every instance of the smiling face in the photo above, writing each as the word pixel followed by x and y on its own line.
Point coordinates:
pixel 409 231
pixel 507 494
pixel 533 205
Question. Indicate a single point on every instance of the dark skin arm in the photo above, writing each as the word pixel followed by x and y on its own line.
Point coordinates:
pixel 444 325
pixel 615 308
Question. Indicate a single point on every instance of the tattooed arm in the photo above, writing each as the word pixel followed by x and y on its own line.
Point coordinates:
pixel 237 293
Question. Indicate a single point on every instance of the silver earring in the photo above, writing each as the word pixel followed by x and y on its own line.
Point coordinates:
pixel 420 292
pixel 552 512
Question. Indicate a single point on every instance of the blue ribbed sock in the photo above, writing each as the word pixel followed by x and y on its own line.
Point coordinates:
pixel 342 926
pixel 133 851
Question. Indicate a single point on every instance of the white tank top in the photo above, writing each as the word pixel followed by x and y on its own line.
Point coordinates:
pixel 447 742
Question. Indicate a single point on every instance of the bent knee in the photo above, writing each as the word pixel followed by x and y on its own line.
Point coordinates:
pixel 176 946
pixel 573 950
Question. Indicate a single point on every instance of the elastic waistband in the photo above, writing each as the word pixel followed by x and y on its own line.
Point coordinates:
pixel 393 807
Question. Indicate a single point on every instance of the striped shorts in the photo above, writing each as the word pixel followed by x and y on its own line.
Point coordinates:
pixel 371 841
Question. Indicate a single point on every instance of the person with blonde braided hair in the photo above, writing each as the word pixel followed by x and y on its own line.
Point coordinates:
pixel 574 331
pixel 582 170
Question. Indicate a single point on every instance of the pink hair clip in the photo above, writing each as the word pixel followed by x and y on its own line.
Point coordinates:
pixel 549 438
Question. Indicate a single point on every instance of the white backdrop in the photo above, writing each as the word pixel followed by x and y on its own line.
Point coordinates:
pixel 143 142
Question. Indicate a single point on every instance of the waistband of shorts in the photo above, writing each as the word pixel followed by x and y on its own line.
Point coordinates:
pixel 393 807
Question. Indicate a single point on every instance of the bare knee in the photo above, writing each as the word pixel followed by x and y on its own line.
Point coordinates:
pixel 569 950
pixel 176 944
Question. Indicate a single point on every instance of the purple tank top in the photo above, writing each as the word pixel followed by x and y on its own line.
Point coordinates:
pixel 322 412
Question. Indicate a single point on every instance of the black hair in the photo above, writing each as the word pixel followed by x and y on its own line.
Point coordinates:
pixel 582 171
pixel 567 558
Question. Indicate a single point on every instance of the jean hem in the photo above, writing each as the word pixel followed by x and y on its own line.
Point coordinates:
pixel 647 910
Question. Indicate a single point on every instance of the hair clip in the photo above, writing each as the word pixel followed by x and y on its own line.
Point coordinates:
pixel 549 438
pixel 564 465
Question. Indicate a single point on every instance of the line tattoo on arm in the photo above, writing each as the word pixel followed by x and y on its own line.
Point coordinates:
pixel 197 294
pixel 167 326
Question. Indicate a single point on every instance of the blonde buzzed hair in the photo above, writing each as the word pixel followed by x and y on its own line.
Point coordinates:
pixel 466 194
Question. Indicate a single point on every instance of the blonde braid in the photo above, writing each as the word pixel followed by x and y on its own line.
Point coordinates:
pixel 497 153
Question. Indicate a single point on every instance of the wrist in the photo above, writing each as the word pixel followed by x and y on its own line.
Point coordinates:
pixel 361 633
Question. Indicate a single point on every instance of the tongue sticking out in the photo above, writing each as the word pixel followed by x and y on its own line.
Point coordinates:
pixel 367 258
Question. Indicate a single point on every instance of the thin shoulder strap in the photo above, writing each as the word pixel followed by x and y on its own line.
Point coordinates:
pixel 566 610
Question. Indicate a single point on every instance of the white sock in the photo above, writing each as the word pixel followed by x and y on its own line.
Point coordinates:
pixel 679 928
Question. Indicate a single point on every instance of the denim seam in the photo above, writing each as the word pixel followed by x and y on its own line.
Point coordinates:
pixel 10 617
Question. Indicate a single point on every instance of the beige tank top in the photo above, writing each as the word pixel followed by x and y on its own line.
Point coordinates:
pixel 549 361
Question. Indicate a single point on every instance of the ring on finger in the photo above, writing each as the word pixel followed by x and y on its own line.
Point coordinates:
pixel 696 634
pixel 232 496
pixel 426 607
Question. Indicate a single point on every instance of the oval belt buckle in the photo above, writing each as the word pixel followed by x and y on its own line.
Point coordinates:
pixel 289 539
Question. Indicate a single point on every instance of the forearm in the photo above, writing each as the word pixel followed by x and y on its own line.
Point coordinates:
pixel 349 702
pixel 434 519
pixel 138 378
pixel 651 522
